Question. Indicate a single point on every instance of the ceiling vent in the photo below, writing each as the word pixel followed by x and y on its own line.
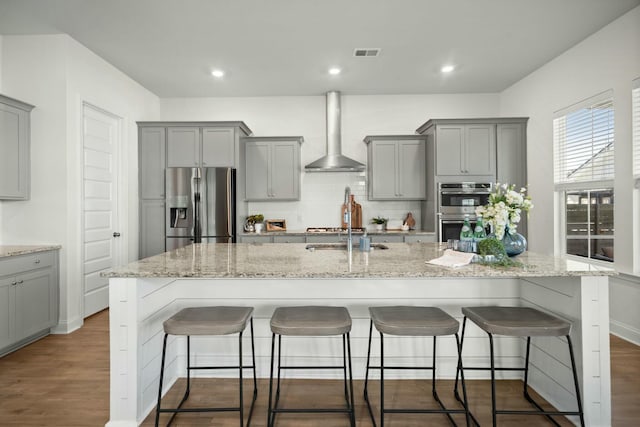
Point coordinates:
pixel 370 52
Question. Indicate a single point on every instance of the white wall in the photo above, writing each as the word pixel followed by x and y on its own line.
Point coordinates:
pixel 56 74
pixel 609 59
pixel 322 193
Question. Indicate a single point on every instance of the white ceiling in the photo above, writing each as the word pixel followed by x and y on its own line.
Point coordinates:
pixel 285 47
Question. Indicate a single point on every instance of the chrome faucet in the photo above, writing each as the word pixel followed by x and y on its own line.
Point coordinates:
pixel 347 219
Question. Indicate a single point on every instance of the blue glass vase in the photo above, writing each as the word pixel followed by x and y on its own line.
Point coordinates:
pixel 514 244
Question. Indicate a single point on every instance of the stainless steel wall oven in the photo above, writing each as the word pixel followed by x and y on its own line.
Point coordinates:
pixel 455 200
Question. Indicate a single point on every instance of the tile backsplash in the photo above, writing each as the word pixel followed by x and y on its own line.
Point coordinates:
pixel 322 195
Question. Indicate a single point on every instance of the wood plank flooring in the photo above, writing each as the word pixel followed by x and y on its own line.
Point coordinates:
pixel 63 380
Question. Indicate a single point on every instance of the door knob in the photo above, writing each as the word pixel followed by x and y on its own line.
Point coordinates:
pixel 116 234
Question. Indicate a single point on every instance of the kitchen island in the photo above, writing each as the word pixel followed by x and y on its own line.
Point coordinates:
pixel 145 293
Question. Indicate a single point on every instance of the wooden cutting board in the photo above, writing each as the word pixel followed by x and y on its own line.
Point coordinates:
pixel 356 214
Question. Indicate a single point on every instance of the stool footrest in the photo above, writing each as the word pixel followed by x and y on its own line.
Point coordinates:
pixel 466 368
pixel 312 410
pixel 192 368
pixel 532 412
pixel 164 410
pixel 311 367
pixel 423 411
pixel 427 368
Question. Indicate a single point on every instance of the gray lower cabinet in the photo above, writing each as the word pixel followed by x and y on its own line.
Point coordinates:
pixel 386 238
pixel 29 298
pixel 396 167
pixel 289 239
pixel 14 149
pixel 256 239
pixel 420 238
pixel 272 168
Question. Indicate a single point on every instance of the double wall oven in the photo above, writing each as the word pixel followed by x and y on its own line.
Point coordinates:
pixel 455 200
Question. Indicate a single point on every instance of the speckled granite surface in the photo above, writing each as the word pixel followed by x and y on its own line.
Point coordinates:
pixel 292 260
pixel 13 250
pixel 369 232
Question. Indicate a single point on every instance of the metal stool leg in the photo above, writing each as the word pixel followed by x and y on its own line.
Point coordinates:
pixel 493 384
pixel 381 380
pixel 344 366
pixel 366 376
pixel 255 381
pixel 353 407
pixel 575 381
pixel 240 379
pixel 270 408
pixel 465 402
pixel 164 352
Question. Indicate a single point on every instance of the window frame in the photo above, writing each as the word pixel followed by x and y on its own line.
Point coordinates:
pixel 561 189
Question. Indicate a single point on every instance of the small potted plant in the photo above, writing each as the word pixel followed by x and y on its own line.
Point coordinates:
pixel 254 223
pixel 379 222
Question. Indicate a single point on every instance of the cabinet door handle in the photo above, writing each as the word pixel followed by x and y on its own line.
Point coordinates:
pixel 20 282
pixel 14 283
pixel 116 234
pixel 37 261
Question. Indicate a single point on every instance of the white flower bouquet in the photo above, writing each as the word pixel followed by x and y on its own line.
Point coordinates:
pixel 504 210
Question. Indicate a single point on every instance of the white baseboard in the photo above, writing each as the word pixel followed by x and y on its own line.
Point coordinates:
pixel 66 327
pixel 626 332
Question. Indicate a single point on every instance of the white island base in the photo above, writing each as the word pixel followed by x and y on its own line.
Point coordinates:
pixel 139 305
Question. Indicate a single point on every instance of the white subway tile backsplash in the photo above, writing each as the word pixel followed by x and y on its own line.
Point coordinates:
pixel 322 196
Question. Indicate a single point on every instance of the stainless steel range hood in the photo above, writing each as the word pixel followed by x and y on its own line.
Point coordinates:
pixel 334 161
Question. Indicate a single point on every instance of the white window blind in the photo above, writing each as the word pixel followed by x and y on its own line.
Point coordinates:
pixel 635 101
pixel 583 137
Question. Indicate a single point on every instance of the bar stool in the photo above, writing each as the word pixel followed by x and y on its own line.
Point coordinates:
pixel 312 321
pixel 209 321
pixel 520 322
pixel 416 322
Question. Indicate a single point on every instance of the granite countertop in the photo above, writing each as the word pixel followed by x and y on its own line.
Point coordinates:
pixel 293 261
pixel 355 233
pixel 13 250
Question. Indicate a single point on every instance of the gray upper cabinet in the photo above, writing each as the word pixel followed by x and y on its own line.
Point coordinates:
pixel 512 153
pixel 218 148
pixel 183 147
pixel 14 149
pixel 272 168
pixel 396 167
pixel 152 153
pixel 177 144
pixel 195 146
pixel 466 149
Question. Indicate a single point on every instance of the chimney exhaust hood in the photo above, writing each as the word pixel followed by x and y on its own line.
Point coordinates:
pixel 334 161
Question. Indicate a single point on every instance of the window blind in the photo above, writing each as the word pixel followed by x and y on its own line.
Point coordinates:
pixel 635 102
pixel 583 137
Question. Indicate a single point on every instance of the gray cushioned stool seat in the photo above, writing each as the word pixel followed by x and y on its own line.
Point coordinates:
pixel 517 321
pixel 311 321
pixel 208 321
pixel 413 321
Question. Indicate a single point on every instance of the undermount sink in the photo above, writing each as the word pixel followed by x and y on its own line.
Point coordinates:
pixel 340 246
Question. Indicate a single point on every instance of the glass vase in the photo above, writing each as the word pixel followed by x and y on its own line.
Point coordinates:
pixel 514 244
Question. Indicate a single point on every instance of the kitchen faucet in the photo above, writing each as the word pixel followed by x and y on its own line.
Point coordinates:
pixel 347 218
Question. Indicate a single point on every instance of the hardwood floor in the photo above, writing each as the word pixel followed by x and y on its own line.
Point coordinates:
pixel 63 380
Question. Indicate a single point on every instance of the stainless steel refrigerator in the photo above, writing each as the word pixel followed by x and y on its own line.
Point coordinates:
pixel 200 205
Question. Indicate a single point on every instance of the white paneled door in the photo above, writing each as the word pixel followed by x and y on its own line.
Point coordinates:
pixel 100 233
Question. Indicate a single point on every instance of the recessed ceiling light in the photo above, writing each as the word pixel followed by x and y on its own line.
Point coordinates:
pixel 447 68
pixel 217 73
pixel 334 71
